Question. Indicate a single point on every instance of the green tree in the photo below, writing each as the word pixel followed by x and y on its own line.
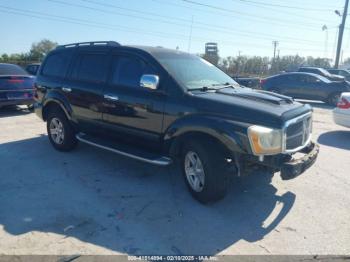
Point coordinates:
pixel 40 49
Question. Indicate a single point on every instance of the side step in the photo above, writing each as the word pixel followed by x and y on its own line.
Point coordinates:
pixel 125 150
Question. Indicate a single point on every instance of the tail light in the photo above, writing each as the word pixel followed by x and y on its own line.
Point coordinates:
pixel 15 80
pixel 343 103
pixel 262 81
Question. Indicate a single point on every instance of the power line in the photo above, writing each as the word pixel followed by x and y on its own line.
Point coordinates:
pixel 287 6
pixel 211 27
pixel 81 22
pixel 157 15
pixel 281 11
pixel 224 14
pixel 313 25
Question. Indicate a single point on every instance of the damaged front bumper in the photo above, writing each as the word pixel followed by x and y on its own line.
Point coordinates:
pixel 297 166
pixel 291 166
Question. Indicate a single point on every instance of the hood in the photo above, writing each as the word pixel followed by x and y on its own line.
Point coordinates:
pixel 251 106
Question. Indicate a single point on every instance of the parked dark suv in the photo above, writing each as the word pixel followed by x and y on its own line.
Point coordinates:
pixel 322 72
pixel 306 86
pixel 163 106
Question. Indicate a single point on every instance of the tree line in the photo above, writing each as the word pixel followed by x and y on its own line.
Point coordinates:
pixel 261 66
pixel 36 53
pixel 240 65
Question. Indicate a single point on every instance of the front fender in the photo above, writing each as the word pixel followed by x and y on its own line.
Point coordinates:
pixel 230 133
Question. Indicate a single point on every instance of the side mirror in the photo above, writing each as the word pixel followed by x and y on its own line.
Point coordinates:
pixel 149 81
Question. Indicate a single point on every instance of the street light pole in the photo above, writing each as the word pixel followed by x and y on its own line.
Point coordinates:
pixel 340 36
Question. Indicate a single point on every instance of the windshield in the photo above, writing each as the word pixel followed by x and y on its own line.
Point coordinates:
pixel 324 72
pixel 324 79
pixel 194 72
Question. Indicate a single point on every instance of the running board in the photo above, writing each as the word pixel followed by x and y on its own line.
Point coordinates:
pixel 125 150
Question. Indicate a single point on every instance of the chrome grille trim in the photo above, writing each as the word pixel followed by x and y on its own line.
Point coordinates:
pixel 293 121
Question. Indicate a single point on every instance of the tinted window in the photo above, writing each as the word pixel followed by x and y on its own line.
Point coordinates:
pixel 8 69
pixel 312 79
pixel 91 67
pixel 128 71
pixel 57 64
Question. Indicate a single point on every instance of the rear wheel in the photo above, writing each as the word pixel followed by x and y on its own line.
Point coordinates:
pixel 205 170
pixel 333 99
pixel 60 131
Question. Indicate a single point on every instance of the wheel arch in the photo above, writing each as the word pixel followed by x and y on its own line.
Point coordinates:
pixel 230 138
pixel 53 103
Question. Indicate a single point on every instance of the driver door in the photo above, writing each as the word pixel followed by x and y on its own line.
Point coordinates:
pixel 129 109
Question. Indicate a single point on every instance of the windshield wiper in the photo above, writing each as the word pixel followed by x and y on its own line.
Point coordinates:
pixel 225 85
pixel 213 87
pixel 203 88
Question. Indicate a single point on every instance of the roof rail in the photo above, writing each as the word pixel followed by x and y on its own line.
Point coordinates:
pixel 94 43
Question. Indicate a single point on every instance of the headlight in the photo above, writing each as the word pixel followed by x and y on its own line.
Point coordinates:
pixel 264 140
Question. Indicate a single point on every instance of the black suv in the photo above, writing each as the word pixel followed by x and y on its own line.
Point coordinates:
pixel 163 106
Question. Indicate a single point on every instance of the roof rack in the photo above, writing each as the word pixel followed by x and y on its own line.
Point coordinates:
pixel 95 43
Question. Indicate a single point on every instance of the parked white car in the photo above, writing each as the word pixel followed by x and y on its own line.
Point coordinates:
pixel 341 114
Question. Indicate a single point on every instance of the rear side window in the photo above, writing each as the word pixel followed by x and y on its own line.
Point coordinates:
pixel 127 71
pixel 57 64
pixel 91 68
pixel 9 69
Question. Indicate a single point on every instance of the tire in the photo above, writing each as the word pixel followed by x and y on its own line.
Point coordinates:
pixel 63 139
pixel 333 99
pixel 212 183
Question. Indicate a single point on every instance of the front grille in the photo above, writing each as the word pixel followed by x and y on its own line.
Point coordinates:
pixel 298 133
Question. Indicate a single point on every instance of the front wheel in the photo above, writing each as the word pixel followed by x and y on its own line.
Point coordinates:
pixel 205 170
pixel 60 131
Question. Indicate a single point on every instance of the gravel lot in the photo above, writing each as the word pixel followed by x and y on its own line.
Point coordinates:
pixel 90 201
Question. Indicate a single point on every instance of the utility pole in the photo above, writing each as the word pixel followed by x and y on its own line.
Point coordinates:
pixel 341 31
pixel 275 44
pixel 190 37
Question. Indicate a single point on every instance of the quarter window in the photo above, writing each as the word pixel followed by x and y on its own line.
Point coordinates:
pixel 57 64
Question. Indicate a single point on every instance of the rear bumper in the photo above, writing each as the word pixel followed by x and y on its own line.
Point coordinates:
pixel 16 102
pixel 341 118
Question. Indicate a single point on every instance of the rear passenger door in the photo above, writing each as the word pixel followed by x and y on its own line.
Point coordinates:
pixel 129 109
pixel 87 78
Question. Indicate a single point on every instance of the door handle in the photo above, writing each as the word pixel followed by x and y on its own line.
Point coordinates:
pixel 66 89
pixel 111 98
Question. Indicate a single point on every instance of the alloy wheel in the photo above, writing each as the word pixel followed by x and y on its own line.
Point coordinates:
pixel 56 131
pixel 194 171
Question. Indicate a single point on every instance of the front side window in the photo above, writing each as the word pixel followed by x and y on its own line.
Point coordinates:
pixel 57 64
pixel 194 72
pixel 129 70
pixel 91 68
